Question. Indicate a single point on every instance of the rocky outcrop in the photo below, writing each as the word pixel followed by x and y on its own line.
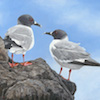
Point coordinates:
pixel 3 52
pixel 34 82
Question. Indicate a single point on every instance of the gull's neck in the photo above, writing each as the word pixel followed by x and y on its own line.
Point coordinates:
pixel 65 38
pixel 19 23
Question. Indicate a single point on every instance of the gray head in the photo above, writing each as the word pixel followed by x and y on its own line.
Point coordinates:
pixel 27 20
pixel 57 34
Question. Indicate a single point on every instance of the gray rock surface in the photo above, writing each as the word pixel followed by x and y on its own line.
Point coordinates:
pixel 3 52
pixel 35 82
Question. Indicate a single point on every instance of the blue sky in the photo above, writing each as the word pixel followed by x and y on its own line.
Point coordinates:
pixel 79 18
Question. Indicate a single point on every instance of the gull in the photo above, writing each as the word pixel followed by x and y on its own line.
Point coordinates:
pixel 19 38
pixel 69 54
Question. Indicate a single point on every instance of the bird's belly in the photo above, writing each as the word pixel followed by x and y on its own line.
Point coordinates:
pixel 17 50
pixel 73 66
pixel 68 65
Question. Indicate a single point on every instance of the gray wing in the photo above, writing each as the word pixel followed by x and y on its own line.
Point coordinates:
pixel 21 36
pixel 69 51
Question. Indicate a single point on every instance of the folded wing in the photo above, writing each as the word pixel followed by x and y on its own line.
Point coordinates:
pixel 21 35
pixel 70 52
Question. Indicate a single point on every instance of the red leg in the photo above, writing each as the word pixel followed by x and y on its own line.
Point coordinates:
pixel 25 63
pixel 13 64
pixel 62 76
pixel 23 58
pixel 60 70
pixel 69 74
pixel 60 73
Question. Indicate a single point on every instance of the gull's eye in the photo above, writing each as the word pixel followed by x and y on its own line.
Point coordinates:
pixel 31 20
pixel 55 32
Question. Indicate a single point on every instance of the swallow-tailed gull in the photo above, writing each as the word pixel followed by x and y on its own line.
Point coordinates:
pixel 67 53
pixel 19 38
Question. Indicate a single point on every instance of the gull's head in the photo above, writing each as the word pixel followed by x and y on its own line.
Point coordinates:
pixel 57 34
pixel 27 20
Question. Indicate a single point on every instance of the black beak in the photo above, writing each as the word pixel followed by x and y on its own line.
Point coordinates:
pixel 49 33
pixel 35 23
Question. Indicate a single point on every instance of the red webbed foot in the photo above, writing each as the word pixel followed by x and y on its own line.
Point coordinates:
pixel 13 64
pixel 26 63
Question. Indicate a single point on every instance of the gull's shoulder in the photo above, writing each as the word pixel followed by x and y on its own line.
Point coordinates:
pixel 65 44
pixel 57 41
pixel 19 27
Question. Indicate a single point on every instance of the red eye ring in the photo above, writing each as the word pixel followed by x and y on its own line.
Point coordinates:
pixel 31 20
pixel 56 32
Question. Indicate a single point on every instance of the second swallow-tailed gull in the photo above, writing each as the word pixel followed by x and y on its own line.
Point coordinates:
pixel 67 53
pixel 19 39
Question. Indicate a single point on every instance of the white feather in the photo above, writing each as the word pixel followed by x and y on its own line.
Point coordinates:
pixel 22 35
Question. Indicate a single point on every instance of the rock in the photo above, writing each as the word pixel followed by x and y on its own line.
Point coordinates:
pixel 1 43
pixel 35 82
pixel 3 52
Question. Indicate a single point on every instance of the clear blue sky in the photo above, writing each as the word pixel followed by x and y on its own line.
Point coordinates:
pixel 79 18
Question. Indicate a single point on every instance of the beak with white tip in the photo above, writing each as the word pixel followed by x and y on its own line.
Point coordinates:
pixel 49 33
pixel 35 23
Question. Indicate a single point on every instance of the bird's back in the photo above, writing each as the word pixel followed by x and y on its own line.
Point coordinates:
pixel 21 35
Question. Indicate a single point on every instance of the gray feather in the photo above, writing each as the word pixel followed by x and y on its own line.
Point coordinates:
pixel 72 53
pixel 9 43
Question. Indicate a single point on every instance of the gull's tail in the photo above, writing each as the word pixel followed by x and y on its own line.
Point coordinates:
pixel 90 62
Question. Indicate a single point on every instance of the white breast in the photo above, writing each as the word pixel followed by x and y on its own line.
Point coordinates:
pixel 52 46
